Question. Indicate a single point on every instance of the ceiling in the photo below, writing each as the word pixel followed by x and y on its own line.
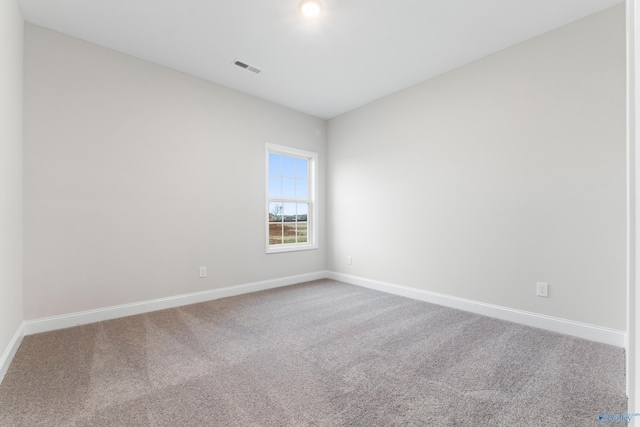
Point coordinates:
pixel 356 51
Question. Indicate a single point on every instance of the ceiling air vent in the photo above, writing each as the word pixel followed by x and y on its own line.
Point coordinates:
pixel 247 66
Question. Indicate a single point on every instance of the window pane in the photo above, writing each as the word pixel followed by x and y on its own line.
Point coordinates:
pixel 288 188
pixel 275 186
pixel 289 212
pixel 290 201
pixel 275 212
pixel 288 166
pixel 302 232
pixel 289 232
pixel 302 210
pixel 275 234
pixel 302 189
pixel 302 168
pixel 275 164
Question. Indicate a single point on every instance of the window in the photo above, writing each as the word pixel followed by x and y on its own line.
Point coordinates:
pixel 291 199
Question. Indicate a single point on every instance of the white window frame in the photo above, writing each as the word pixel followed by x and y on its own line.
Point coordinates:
pixel 312 215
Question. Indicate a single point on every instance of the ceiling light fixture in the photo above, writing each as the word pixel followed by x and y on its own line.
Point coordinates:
pixel 310 8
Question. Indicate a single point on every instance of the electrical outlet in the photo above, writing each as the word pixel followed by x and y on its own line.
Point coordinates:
pixel 203 272
pixel 542 289
pixel 349 260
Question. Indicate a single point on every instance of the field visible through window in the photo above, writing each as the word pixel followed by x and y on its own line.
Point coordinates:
pixel 287 232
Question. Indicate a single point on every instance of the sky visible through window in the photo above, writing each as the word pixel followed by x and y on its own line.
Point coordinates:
pixel 288 177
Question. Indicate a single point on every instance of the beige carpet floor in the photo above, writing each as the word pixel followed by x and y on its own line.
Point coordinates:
pixel 316 354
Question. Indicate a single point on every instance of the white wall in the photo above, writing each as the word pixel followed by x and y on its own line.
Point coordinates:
pixel 476 184
pixel 11 50
pixel 502 173
pixel 633 166
pixel 135 175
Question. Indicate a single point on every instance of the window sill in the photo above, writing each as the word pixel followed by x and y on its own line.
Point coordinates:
pixel 290 248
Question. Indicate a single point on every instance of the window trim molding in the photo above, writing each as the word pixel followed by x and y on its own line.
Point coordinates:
pixel 312 222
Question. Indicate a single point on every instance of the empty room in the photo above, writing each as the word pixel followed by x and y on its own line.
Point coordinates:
pixel 322 213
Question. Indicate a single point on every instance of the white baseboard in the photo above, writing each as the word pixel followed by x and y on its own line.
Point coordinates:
pixel 555 324
pixel 114 312
pixel 10 351
pixel 564 326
